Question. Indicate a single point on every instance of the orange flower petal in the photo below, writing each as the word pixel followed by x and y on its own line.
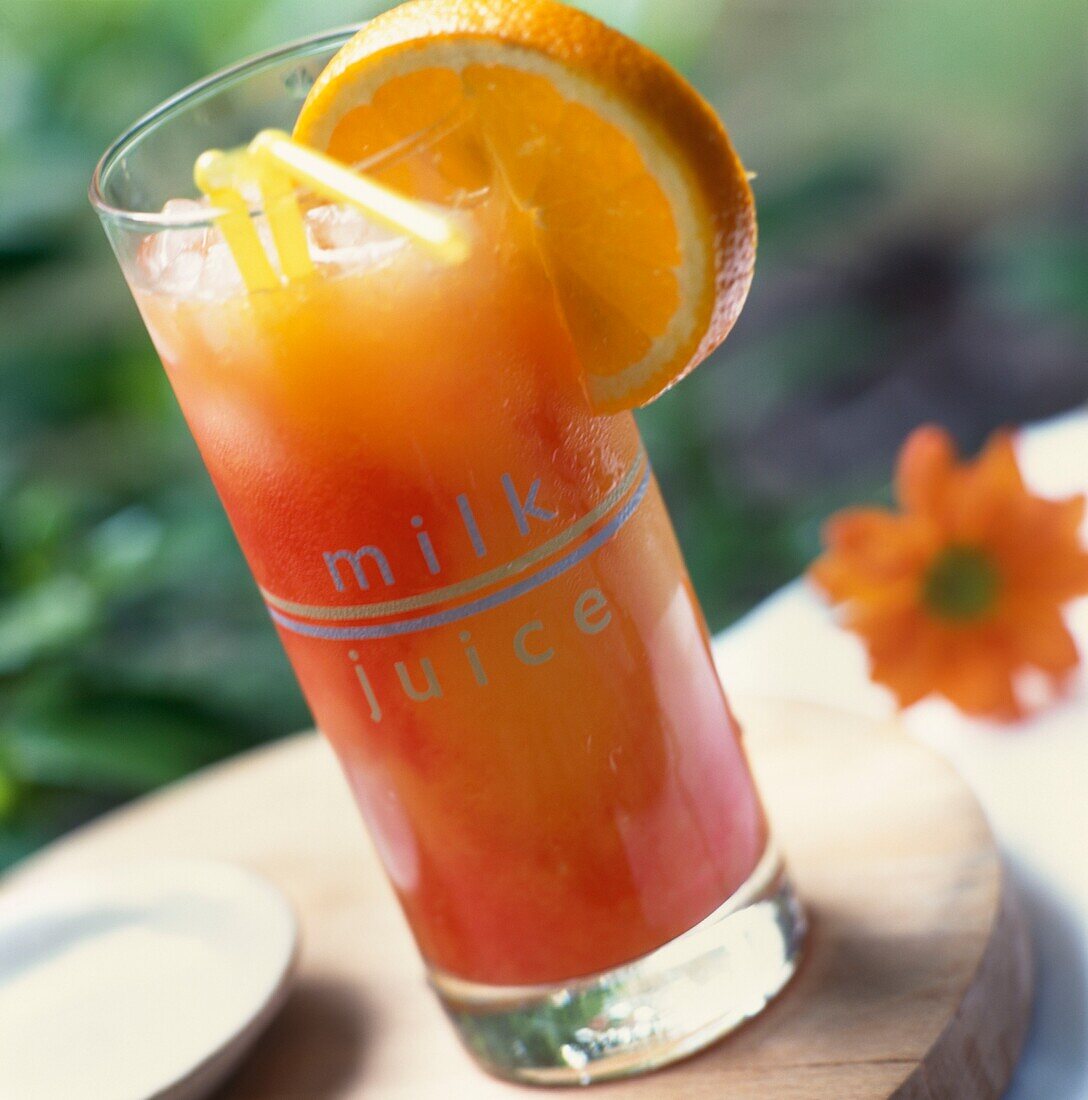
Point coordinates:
pixel 877 563
pixel 979 680
pixel 868 548
pixel 997 462
pixel 1043 555
pixel 926 466
pixel 910 680
pixel 986 495
pixel 1037 635
pixel 861 528
pixel 910 668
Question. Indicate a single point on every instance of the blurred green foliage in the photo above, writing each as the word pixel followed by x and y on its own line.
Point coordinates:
pixel 923 257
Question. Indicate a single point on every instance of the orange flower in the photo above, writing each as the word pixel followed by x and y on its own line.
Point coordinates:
pixel 962 590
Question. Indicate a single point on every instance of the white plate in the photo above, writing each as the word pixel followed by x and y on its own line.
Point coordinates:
pixel 146 980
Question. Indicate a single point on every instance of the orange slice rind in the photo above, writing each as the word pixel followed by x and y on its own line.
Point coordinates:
pixel 641 209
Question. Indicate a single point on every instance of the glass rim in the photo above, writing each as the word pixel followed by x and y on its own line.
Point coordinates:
pixel 149 220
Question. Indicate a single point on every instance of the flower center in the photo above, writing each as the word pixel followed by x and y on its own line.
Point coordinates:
pixel 962 584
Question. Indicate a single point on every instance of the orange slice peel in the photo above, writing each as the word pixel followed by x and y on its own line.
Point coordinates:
pixel 641 209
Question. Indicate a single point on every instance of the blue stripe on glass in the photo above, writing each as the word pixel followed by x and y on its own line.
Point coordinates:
pixel 496 599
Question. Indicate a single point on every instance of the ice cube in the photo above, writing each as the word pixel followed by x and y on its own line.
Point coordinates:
pixel 185 211
pixel 172 259
pixel 197 262
pixel 189 262
pixel 219 274
pixel 346 238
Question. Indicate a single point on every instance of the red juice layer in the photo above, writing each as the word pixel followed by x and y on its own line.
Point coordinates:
pixel 549 769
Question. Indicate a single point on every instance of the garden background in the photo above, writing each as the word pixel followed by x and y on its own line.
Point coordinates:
pixel 924 256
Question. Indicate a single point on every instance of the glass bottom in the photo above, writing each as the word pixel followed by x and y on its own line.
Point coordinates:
pixel 644 1014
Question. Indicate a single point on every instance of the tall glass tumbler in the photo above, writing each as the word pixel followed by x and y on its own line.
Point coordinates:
pixel 480 591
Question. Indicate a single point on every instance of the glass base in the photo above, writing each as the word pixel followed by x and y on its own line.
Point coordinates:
pixel 647 1013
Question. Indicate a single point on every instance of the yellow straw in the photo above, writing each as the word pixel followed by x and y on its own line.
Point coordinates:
pixel 285 220
pixel 274 163
pixel 217 174
pixel 438 234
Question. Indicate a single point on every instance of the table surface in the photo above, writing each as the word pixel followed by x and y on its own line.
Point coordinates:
pixel 916 979
pixel 1030 778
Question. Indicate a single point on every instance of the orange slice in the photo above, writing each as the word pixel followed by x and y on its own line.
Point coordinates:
pixel 642 210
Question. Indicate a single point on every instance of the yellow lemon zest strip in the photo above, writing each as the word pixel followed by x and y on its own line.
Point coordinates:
pixel 442 237
pixel 284 218
pixel 218 174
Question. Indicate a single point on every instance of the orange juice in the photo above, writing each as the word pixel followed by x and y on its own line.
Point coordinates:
pixel 480 591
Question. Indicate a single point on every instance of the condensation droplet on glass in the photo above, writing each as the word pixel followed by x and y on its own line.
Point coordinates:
pixel 298 83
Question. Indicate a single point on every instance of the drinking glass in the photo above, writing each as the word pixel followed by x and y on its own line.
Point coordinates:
pixel 482 597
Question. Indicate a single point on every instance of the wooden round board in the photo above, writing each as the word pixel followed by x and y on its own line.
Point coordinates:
pixel 917 982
